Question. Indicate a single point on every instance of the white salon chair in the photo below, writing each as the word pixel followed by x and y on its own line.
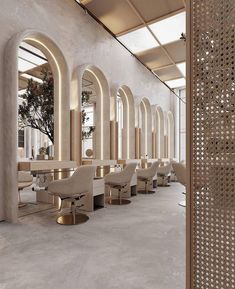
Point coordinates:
pixel 120 181
pixel 180 171
pixel 25 179
pixel 163 174
pixel 72 190
pixel 146 176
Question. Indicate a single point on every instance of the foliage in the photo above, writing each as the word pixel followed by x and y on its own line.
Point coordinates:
pixel 42 151
pixel 37 108
pixel 86 131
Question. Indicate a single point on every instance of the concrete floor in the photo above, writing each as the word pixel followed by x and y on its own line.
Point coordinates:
pixel 138 246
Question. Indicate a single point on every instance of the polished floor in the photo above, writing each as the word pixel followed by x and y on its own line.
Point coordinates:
pixel 138 246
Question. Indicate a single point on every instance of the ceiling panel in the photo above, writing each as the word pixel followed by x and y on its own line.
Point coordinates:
pixel 139 40
pixel 168 73
pixel 154 58
pixel 177 50
pixel 37 71
pixel 153 9
pixel 117 15
pixel 125 18
pixel 23 82
pixel 169 29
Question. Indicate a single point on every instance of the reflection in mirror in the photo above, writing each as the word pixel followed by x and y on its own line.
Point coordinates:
pixel 35 104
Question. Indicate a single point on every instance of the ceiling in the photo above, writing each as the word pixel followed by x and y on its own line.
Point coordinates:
pixel 150 29
pixel 31 63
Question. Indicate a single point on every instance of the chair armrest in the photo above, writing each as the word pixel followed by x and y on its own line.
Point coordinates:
pixel 59 186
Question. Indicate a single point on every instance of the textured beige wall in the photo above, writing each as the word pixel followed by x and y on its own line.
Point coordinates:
pixel 81 40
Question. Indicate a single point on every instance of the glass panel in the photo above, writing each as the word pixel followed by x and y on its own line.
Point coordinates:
pixel 87 144
pixel 120 124
pixel 24 65
pixel 182 68
pixel 30 57
pixel 180 82
pixel 32 48
pixel 138 40
pixel 169 29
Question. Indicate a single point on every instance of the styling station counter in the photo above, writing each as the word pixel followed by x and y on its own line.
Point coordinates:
pixel 45 165
pixel 47 170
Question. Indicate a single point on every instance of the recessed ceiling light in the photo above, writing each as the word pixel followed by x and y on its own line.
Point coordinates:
pixel 138 40
pixel 182 68
pixel 169 29
pixel 175 83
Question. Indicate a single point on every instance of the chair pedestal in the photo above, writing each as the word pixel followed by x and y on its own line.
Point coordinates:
pixel 146 191
pixel 70 219
pixel 119 201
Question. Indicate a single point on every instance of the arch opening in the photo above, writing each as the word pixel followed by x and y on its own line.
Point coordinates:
pixel 61 109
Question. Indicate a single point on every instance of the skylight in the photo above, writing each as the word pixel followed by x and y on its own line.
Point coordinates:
pixel 32 48
pixel 25 65
pixel 180 82
pixel 182 68
pixel 31 57
pixel 169 29
pixel 138 40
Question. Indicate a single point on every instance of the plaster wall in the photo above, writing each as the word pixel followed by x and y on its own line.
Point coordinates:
pixel 81 40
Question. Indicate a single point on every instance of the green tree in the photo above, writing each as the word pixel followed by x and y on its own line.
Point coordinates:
pixel 87 131
pixel 37 108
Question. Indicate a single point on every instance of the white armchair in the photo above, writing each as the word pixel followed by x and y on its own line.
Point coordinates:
pixel 146 176
pixel 72 190
pixel 163 174
pixel 180 171
pixel 25 179
pixel 120 182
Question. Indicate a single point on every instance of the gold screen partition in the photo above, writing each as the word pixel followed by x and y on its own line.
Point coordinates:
pixel 211 145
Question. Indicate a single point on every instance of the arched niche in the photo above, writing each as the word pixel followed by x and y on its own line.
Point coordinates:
pixel 61 110
pixel 145 123
pixel 171 134
pixel 160 132
pixel 128 135
pixel 102 118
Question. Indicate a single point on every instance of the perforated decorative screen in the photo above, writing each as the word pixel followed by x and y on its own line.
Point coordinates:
pixel 213 144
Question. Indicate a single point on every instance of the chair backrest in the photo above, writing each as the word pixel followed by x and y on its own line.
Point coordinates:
pixel 153 169
pixel 180 171
pixel 128 172
pixel 82 179
pixel 164 170
pixel 24 177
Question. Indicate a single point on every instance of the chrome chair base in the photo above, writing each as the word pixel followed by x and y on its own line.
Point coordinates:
pixel 144 192
pixel 69 219
pixel 118 201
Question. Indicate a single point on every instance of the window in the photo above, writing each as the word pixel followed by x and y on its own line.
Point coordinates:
pixel 182 126
pixel 119 114
pixel 21 138
pixel 87 143
pixel 138 40
pixel 169 29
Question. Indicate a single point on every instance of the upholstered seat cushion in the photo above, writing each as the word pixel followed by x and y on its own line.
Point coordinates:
pixel 80 182
pixel 146 174
pixel 121 178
